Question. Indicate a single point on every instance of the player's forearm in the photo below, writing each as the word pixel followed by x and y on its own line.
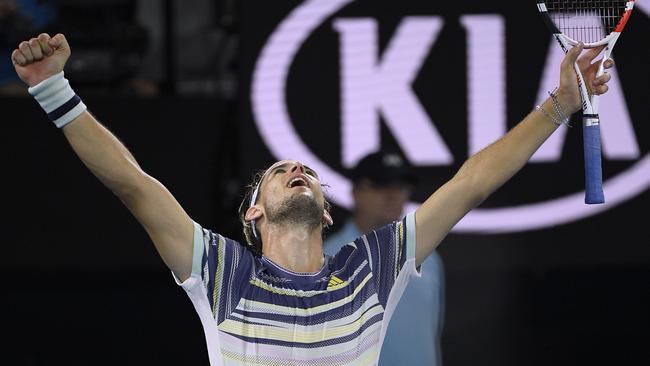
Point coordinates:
pixel 497 163
pixel 479 177
pixel 105 156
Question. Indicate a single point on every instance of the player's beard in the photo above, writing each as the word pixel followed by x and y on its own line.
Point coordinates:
pixel 301 210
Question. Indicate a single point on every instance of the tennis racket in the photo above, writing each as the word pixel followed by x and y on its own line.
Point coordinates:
pixel 594 23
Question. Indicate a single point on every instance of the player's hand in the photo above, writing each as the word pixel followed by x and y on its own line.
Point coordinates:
pixel 589 69
pixel 39 58
pixel 568 92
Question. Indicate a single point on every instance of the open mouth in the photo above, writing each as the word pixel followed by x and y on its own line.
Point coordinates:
pixel 297 182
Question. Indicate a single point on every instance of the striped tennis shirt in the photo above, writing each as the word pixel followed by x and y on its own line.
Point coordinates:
pixel 255 312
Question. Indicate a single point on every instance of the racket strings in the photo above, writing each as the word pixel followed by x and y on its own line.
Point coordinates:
pixel 586 21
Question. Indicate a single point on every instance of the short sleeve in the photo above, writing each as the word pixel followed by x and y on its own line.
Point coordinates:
pixel 222 265
pixel 390 249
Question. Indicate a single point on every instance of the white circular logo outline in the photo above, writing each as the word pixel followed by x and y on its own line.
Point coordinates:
pixel 270 113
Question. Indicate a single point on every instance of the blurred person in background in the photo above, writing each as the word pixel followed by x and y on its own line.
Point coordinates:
pixel 382 186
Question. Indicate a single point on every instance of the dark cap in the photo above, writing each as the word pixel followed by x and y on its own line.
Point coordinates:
pixel 383 168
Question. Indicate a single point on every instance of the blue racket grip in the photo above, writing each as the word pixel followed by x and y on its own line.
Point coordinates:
pixel 593 165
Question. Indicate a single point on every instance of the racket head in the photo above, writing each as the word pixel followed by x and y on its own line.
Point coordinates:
pixel 594 23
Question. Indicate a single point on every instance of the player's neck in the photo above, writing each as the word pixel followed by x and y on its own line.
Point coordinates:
pixel 294 248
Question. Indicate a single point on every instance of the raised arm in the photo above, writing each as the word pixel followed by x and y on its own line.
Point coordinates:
pixel 39 62
pixel 487 170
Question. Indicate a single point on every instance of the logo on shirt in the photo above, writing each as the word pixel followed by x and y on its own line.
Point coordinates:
pixel 334 281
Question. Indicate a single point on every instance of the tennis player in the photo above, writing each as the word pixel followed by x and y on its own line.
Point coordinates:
pixel 277 299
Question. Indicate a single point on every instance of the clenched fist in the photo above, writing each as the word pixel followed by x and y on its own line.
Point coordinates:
pixel 39 58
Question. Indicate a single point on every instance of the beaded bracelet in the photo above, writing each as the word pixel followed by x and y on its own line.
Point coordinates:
pixel 555 120
pixel 559 110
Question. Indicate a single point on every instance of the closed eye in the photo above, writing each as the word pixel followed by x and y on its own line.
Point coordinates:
pixel 311 172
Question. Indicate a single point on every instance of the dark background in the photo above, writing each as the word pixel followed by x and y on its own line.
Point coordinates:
pixel 84 285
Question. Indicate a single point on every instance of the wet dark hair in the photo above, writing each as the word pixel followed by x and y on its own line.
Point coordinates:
pixel 255 244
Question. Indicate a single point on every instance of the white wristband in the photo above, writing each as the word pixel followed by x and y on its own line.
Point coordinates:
pixel 57 99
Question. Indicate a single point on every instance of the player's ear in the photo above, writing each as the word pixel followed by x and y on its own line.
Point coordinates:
pixel 254 212
pixel 327 218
